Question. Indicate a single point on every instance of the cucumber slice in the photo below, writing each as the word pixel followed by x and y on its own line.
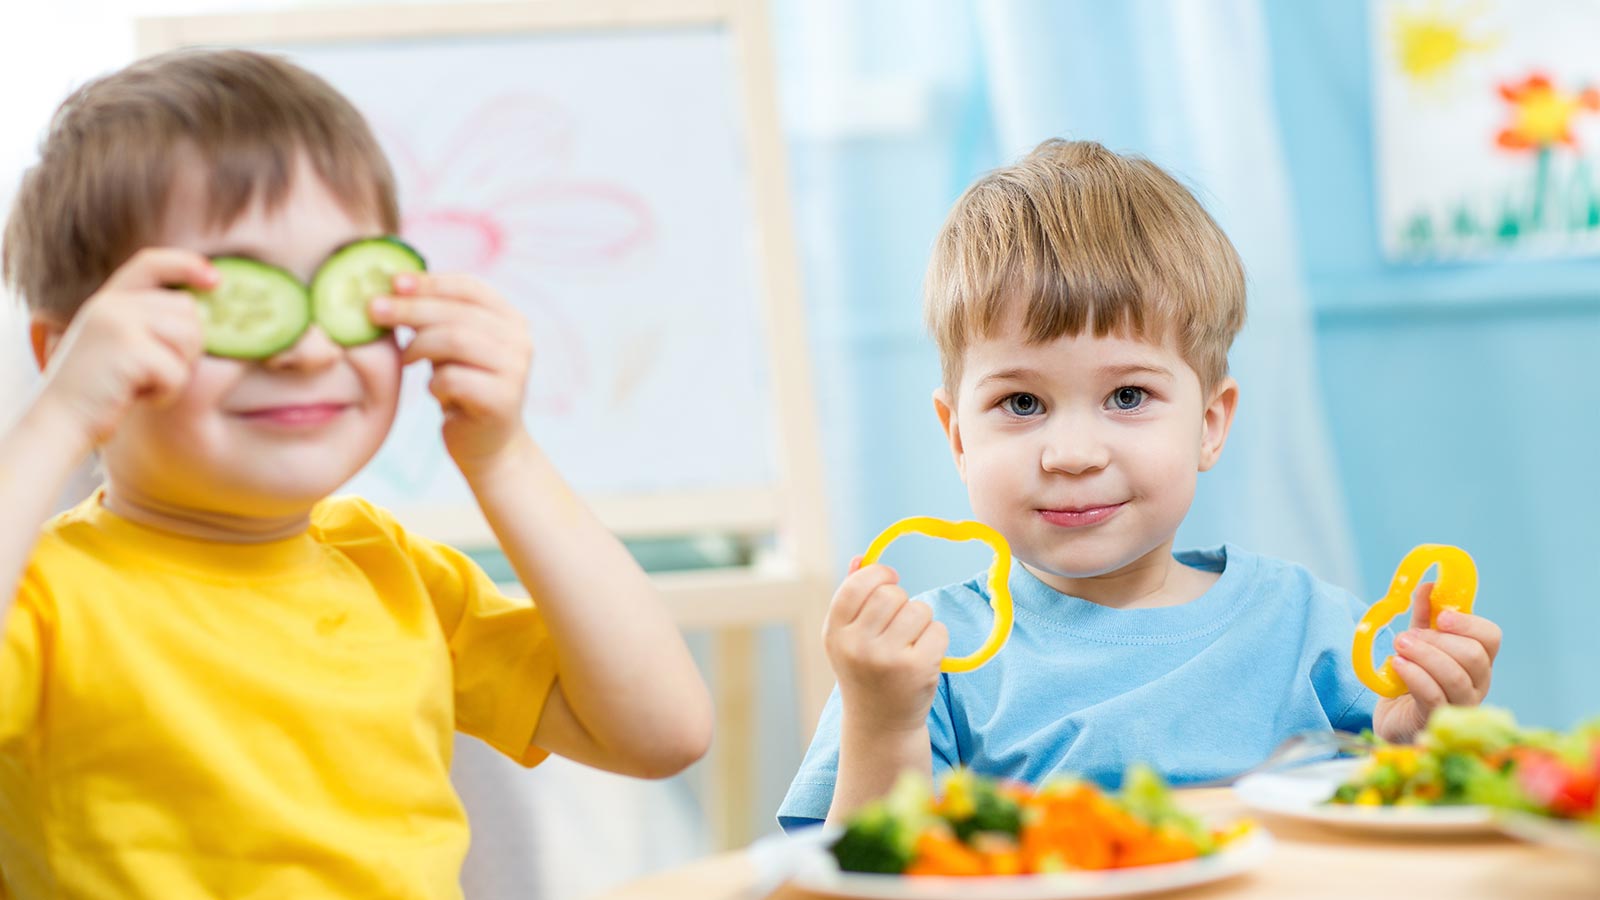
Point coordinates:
pixel 256 309
pixel 351 277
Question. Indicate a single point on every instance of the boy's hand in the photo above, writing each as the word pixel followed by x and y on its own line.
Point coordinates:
pixel 885 649
pixel 480 350
pixel 136 338
pixel 1450 665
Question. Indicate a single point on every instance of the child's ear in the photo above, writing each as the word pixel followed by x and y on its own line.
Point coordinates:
pixel 44 334
pixel 946 410
pixel 1218 419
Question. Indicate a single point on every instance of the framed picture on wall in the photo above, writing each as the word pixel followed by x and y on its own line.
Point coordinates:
pixel 1487 128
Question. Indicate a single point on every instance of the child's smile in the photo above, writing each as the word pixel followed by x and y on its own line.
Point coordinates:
pixel 1080 516
pixel 295 416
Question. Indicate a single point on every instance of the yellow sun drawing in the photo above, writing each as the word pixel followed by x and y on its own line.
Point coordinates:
pixel 1431 41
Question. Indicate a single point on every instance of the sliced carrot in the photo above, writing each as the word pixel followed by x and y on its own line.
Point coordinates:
pixel 1161 845
pixel 1000 854
pixel 941 853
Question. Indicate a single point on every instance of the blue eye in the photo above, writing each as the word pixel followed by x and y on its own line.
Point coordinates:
pixel 1023 405
pixel 1128 398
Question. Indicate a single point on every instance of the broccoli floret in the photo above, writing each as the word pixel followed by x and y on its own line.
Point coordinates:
pixel 882 836
pixel 1147 796
pixel 971 805
pixel 875 841
pixel 1468 779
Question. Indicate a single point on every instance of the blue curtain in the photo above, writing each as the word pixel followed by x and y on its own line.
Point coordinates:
pixel 893 107
pixel 1455 402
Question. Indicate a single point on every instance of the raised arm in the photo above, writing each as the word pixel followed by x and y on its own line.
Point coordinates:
pixel 628 696
pixel 885 649
pixel 133 341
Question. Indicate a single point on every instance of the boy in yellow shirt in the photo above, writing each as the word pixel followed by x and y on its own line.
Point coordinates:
pixel 216 680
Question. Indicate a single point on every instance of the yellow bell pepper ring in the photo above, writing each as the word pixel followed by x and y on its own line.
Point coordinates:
pixel 999 576
pixel 1455 590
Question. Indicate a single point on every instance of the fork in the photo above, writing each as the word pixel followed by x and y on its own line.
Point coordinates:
pixel 1297 748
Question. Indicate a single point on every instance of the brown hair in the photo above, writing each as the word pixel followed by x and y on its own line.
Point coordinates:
pixel 1085 238
pixel 106 166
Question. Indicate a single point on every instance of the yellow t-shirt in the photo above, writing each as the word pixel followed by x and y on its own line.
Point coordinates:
pixel 181 718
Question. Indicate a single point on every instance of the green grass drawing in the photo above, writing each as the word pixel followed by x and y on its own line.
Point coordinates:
pixel 1559 201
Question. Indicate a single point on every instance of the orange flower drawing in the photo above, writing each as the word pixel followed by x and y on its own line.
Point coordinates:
pixel 500 201
pixel 1542 114
pixel 498 198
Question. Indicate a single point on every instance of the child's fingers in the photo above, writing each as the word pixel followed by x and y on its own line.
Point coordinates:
pixel 881 606
pixel 468 346
pixel 172 317
pixel 853 593
pixel 473 391
pixel 441 344
pixel 451 286
pixel 1470 654
pixel 908 623
pixel 156 267
pixel 1422 605
pixel 934 641
pixel 425 311
pixel 1443 670
pixel 165 377
pixel 1424 689
pixel 855 563
pixel 169 346
pixel 1477 628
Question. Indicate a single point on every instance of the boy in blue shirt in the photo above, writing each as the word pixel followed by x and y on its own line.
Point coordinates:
pixel 1084 303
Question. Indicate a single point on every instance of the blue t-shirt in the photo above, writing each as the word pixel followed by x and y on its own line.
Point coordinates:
pixel 1200 690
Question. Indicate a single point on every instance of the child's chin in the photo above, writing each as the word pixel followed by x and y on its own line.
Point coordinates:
pixel 1079 565
pixel 302 473
pixel 289 490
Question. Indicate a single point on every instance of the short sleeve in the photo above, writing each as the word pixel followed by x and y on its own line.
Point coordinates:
pixel 942 732
pixel 22 661
pixel 504 660
pixel 1348 703
pixel 811 793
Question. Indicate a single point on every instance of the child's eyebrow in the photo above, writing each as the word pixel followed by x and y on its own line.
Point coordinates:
pixel 1123 371
pixel 1012 374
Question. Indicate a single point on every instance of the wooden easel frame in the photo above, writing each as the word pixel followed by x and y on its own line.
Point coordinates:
pixel 791 583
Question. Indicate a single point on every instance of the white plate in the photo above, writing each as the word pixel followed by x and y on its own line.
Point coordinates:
pixel 820 875
pixel 1302 793
pixel 1558 833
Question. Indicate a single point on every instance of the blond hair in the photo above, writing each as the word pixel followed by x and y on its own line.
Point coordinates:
pixel 1084 238
pixel 115 147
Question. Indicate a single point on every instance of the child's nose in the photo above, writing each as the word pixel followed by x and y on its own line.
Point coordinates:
pixel 1074 450
pixel 314 350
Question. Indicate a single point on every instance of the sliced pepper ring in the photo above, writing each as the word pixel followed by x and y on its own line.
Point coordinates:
pixel 1455 590
pixel 999 576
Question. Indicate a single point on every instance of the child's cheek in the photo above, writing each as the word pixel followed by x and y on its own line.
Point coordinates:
pixel 377 367
pixel 378 361
pixel 996 480
pixel 210 385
